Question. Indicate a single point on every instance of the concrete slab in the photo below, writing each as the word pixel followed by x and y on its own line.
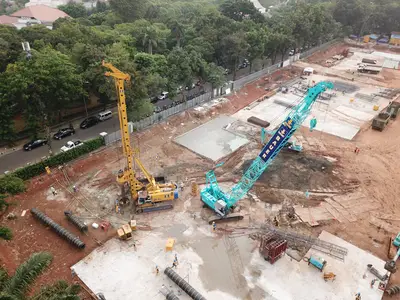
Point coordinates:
pixel 291 280
pixel 211 140
pixel 342 115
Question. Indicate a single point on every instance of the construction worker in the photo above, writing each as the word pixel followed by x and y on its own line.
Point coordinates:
pixel 53 190
pixel 74 189
pixel 176 258
pixel 276 223
pixel 157 270
pixel 214 226
pixel 358 296
pixel 134 245
pixel 373 282
pixel 174 264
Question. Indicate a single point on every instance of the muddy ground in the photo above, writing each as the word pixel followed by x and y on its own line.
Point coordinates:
pixel 373 170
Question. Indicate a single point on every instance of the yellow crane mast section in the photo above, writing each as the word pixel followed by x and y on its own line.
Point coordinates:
pixel 157 192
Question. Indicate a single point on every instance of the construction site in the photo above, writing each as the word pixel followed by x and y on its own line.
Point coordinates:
pixel 286 190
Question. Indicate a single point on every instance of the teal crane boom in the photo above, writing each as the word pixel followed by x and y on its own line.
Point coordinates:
pixel 222 202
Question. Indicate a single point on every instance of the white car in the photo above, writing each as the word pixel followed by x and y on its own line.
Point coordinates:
pixel 71 145
pixel 164 95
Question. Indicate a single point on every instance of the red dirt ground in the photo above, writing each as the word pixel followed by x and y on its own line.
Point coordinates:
pixel 31 236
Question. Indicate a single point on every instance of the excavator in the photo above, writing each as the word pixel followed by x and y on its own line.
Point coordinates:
pixel 222 203
pixel 148 196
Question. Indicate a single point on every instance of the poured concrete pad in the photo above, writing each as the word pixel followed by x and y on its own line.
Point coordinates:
pixel 211 140
pixel 291 280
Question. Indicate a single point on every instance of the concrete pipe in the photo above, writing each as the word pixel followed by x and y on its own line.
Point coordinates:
pixel 183 284
pixel 61 231
pixel 74 220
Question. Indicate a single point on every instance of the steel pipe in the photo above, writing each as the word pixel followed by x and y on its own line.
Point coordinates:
pixel 183 284
pixel 74 220
pixel 61 231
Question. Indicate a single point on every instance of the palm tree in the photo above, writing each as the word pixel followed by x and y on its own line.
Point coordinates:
pixel 17 286
pixel 150 39
pixel 177 30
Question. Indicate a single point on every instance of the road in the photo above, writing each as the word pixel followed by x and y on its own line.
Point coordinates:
pixel 19 158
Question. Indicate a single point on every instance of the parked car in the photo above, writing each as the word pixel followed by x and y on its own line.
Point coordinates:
pixel 63 132
pixel 191 87
pixel 291 52
pixel 70 145
pixel 89 122
pixel 163 95
pixel 105 115
pixel 34 144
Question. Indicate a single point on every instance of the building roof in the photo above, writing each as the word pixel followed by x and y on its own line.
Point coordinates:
pixel 42 13
pixel 7 20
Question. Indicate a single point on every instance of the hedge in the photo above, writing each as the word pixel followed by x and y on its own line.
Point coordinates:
pixel 58 159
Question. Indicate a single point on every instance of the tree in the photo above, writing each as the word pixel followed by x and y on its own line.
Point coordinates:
pixel 10 45
pixel 215 75
pixel 5 233
pixel 7 130
pixel 256 40
pixel 17 286
pixel 240 10
pixel 44 85
pixel 150 39
pixel 350 13
pixel 74 9
pixel 130 10
pixel 101 6
pixel 178 33
pixel 180 71
pixel 33 33
pixel 232 48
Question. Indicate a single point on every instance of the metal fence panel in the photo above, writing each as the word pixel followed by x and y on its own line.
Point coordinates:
pixel 116 136
pixel 158 117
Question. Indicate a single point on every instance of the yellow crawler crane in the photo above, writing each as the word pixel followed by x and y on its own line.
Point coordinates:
pixel 147 197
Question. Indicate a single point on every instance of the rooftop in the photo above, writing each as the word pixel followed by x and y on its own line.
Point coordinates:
pixel 7 20
pixel 41 12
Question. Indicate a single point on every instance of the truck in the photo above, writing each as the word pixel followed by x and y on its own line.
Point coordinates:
pixel 71 145
pixel 380 121
pixel 364 68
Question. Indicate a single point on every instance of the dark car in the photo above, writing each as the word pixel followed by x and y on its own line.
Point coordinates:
pixel 89 122
pixel 34 144
pixel 62 133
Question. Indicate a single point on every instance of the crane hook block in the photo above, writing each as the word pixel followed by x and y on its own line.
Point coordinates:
pixel 313 123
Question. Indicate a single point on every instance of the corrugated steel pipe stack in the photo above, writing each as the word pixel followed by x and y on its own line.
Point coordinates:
pixel 395 289
pixel 74 220
pixel 183 284
pixel 61 231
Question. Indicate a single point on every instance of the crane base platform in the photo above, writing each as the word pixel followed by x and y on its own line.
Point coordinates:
pixel 228 218
pixel 149 207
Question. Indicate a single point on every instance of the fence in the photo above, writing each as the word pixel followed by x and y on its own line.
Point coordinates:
pixel 321 47
pixel 236 85
pixel 158 117
pixel 116 136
